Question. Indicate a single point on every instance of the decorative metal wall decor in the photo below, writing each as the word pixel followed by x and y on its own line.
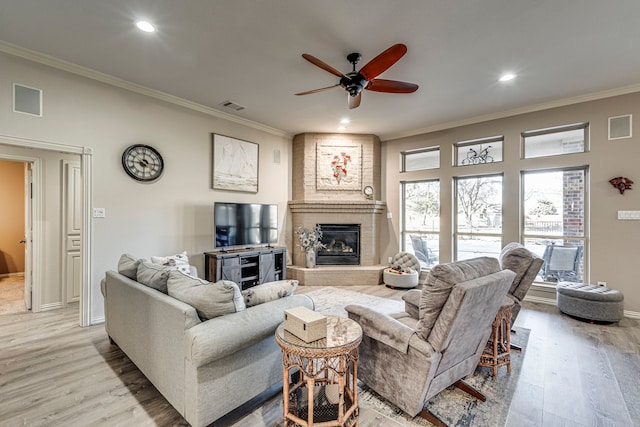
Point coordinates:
pixel 621 183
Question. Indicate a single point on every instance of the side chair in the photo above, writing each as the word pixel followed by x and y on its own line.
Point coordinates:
pixel 411 356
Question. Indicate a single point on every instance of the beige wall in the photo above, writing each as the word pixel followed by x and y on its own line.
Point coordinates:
pixel 612 249
pixel 165 217
pixel 11 217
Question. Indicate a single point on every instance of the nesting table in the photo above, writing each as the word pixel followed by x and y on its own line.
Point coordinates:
pixel 324 386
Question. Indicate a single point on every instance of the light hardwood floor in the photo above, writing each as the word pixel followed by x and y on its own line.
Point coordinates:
pixel 53 373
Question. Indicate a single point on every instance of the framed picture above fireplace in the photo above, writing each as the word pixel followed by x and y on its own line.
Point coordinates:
pixel 339 167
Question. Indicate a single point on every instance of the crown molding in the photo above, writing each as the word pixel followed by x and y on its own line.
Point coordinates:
pixel 517 111
pixel 60 64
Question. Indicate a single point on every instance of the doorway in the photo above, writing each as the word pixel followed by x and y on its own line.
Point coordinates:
pixel 45 158
pixel 15 289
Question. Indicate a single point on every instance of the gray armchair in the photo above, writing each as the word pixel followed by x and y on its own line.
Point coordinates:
pixel 526 265
pixel 410 357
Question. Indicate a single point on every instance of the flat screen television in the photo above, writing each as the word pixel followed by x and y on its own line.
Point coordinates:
pixel 245 224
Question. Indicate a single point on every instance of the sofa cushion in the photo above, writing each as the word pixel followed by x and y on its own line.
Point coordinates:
pixel 128 266
pixel 209 299
pixel 441 279
pixel 269 291
pixel 153 275
pixel 179 261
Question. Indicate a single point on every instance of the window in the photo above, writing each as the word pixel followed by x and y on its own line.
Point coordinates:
pixel 555 141
pixel 478 151
pixel 554 206
pixel 478 220
pixel 424 158
pixel 421 220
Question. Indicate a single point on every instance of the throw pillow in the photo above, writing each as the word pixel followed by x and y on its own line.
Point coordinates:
pixel 179 261
pixel 153 275
pixel 269 291
pixel 440 280
pixel 209 299
pixel 128 266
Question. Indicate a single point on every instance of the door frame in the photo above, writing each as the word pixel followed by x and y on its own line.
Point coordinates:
pixel 86 160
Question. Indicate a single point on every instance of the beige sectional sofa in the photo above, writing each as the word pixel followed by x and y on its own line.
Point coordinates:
pixel 205 369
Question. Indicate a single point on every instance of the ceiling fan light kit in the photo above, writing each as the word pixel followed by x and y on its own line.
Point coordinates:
pixel 355 82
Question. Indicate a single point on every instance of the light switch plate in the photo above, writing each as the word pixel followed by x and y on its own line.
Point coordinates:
pixel 629 215
pixel 99 212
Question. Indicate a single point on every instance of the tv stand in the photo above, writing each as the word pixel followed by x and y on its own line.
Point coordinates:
pixel 246 267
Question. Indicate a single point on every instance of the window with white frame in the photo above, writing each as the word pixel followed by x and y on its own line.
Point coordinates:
pixel 554 203
pixel 555 141
pixel 478 218
pixel 478 151
pixel 420 229
pixel 421 159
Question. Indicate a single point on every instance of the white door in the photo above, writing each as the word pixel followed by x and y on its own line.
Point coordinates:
pixel 72 231
pixel 28 233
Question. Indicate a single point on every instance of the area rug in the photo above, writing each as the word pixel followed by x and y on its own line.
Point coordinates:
pixel 453 406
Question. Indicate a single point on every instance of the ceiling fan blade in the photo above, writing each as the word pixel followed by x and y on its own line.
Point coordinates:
pixel 318 63
pixel 382 62
pixel 354 101
pixel 391 86
pixel 309 92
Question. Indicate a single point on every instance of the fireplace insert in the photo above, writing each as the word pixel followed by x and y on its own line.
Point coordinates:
pixel 342 245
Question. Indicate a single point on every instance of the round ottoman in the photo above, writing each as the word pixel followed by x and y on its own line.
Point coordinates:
pixel 406 261
pixel 596 303
pixel 399 280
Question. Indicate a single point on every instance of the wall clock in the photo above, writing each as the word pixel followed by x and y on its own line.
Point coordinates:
pixel 368 191
pixel 142 162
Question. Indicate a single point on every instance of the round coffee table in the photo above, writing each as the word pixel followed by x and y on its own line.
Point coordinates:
pixel 325 373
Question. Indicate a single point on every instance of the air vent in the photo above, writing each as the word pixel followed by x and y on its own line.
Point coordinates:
pixel 620 127
pixel 232 105
pixel 27 100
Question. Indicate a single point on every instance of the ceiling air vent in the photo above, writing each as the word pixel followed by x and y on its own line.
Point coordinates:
pixel 232 105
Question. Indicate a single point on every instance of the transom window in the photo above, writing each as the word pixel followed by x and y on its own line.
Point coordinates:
pixel 555 141
pixel 424 158
pixel 478 151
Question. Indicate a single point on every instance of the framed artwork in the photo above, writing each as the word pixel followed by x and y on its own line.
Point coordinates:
pixel 235 164
pixel 339 167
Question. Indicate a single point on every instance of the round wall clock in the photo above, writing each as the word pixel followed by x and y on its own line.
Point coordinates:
pixel 142 162
pixel 368 191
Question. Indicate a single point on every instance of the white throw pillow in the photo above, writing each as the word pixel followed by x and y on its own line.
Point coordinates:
pixel 178 261
pixel 209 299
pixel 269 291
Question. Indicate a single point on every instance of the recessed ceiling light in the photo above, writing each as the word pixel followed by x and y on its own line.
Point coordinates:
pixel 345 121
pixel 507 76
pixel 146 26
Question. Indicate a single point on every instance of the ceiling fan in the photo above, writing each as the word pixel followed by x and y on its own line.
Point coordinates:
pixel 355 81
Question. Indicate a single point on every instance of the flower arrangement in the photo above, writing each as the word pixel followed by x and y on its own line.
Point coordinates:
pixel 310 238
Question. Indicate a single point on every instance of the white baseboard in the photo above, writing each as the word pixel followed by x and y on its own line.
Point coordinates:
pixel 51 306
pixel 632 314
pixel 97 320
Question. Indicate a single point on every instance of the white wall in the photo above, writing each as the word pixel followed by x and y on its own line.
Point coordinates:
pixel 165 217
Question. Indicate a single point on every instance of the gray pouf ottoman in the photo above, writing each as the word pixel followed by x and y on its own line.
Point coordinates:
pixel 597 303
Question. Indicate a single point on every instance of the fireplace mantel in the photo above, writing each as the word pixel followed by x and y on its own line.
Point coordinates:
pixel 337 207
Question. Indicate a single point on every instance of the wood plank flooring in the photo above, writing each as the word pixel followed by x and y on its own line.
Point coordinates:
pixel 54 373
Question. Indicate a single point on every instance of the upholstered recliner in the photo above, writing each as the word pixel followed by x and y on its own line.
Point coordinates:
pixel 410 357
pixel 526 265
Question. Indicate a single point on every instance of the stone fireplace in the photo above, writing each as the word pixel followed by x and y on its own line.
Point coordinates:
pixel 329 174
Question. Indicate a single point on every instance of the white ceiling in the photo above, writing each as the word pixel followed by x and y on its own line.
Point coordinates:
pixel 249 52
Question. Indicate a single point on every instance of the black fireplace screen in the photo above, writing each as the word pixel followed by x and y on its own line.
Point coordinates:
pixel 342 245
